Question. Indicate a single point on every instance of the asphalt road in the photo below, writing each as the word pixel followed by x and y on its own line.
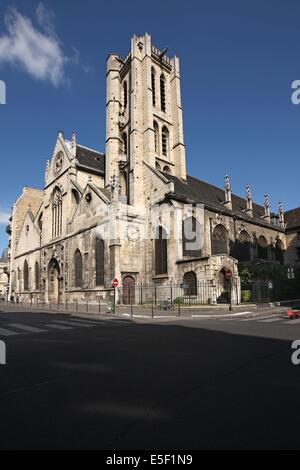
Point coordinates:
pixel 87 383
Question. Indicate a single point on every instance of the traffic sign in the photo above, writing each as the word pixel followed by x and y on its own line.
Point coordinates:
pixel 228 274
pixel 115 282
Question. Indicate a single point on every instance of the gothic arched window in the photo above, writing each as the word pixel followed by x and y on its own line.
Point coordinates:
pixel 165 141
pixel 219 242
pixel 125 95
pixel 124 143
pixel 242 247
pixel 99 258
pixel 167 170
pixel 56 213
pixel 75 196
pixel 191 238
pixel 262 247
pixel 26 275
pixel 279 250
pixel 190 283
pixel 78 267
pixel 156 137
pixel 161 251
pixel 37 276
pixel 153 86
pixel 162 93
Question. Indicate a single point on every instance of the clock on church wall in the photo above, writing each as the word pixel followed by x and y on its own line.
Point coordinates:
pixel 58 162
pixel 133 233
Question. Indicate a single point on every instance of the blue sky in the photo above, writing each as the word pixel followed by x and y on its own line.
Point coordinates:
pixel 238 60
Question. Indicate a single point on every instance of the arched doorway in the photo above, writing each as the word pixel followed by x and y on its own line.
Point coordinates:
pixel 224 286
pixel 128 290
pixel 53 280
pixel 190 283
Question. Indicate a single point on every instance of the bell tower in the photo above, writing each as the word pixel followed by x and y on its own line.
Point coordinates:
pixel 143 117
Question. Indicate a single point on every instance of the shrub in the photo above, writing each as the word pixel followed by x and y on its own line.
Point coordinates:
pixel 178 300
pixel 246 295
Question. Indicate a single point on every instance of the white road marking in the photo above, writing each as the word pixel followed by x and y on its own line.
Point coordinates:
pixel 75 323
pixel 270 320
pixel 292 322
pixel 30 329
pixel 91 322
pixel 264 317
pixel 58 327
pixel 4 332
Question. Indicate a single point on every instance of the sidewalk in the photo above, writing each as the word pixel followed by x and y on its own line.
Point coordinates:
pixel 138 312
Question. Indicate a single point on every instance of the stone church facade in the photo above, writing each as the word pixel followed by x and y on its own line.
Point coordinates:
pixel 133 213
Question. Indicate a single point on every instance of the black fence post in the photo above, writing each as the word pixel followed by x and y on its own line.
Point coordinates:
pixel 179 307
pixel 131 309
pixel 99 306
pixel 152 309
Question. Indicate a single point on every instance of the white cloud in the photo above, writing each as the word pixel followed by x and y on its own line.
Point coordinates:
pixel 37 50
pixel 4 216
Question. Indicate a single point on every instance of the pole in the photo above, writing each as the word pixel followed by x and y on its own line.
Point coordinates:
pixel 230 304
pixel 114 300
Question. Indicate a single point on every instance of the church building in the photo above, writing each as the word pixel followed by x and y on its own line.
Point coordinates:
pixel 132 212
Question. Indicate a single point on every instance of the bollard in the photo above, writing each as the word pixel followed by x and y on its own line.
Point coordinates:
pixel 179 308
pixel 66 304
pixel 131 309
pixel 152 310
pixel 76 302
pixel 99 309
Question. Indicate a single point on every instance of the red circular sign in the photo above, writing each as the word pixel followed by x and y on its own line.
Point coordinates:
pixel 115 282
pixel 228 274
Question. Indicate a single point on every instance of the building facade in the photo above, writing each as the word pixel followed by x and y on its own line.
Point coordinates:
pixel 132 213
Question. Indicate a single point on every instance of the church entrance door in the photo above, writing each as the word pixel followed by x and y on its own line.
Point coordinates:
pixel 128 290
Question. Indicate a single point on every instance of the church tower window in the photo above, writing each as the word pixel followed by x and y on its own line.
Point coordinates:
pixel 153 86
pixel 165 141
pixel 125 95
pixel 156 137
pixel 124 143
pixel 163 93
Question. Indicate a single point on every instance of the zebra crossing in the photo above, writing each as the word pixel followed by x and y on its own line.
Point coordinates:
pixel 8 328
pixel 279 318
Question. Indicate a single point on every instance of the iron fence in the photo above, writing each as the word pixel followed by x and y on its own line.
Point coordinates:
pixel 204 293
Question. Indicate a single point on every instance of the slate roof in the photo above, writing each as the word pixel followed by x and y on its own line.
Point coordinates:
pixel 212 196
pixel 90 160
pixel 292 218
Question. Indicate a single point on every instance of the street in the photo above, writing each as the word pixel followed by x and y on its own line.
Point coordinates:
pixel 85 382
